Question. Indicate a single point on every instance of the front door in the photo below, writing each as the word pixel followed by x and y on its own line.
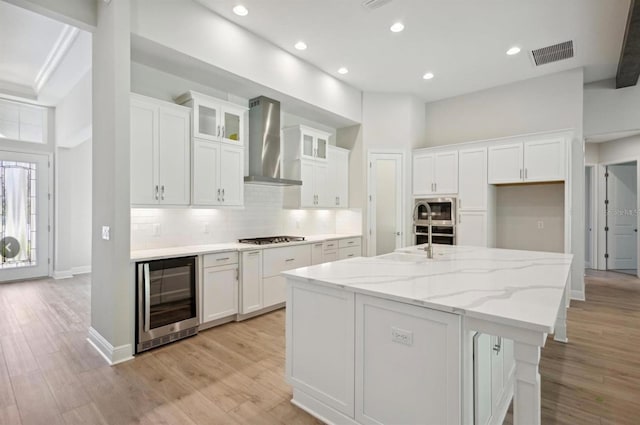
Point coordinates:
pixel 24 227
pixel 385 202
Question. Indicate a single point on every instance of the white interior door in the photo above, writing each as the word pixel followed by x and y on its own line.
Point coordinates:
pixel 622 235
pixel 385 203
pixel 24 228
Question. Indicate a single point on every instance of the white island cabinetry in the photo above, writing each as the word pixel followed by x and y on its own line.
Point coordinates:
pixel 390 339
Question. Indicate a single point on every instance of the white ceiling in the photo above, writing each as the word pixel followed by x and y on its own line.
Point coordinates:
pixel 463 42
pixel 40 59
pixel 607 137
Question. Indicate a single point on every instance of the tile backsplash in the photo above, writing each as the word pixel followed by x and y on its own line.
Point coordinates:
pixel 262 215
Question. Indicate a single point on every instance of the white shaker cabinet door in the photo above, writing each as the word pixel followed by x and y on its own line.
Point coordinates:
pixel 307 192
pixel 321 185
pixel 144 153
pixel 232 175
pixel 506 164
pixel 472 228
pixel 206 185
pixel 472 189
pixel 446 173
pixel 251 281
pixel 316 253
pixel 423 173
pixel 544 160
pixel 219 292
pixel 173 139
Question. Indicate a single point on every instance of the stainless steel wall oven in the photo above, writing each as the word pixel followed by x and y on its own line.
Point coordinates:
pixel 166 301
pixel 443 216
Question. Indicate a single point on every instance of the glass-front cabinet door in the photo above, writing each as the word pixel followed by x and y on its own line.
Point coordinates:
pixel 321 147
pixel 233 126
pixel 308 146
pixel 207 123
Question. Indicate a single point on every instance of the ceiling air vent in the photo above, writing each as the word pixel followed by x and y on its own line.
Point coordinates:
pixel 554 53
pixel 374 4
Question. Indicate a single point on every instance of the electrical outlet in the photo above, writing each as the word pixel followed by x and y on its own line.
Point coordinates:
pixel 540 224
pixel 205 228
pixel 402 336
pixel 106 233
pixel 156 229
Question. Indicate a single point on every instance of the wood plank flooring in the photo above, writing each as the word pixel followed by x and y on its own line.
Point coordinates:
pixel 233 374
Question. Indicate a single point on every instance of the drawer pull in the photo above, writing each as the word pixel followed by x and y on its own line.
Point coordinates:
pixel 318 244
pixel 254 253
pixel 289 259
pixel 350 242
pixel 330 245
pixel 350 255
pixel 223 259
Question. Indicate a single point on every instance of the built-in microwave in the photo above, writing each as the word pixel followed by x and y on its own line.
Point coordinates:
pixel 443 212
pixel 166 300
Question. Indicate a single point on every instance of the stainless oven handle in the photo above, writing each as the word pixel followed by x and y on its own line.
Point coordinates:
pixel 147 298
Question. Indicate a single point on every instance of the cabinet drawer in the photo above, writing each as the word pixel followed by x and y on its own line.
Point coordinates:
pixel 220 259
pixel 331 245
pixel 277 260
pixel 345 243
pixel 353 251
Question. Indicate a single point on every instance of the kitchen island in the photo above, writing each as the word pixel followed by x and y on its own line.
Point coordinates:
pixel 389 339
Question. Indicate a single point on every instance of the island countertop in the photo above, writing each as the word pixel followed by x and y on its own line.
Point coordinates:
pixel 517 288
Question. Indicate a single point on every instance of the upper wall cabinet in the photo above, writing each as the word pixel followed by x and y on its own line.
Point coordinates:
pixel 218 174
pixel 530 161
pixel 435 173
pixel 160 155
pixel 338 160
pixel 472 190
pixel 304 142
pixel 215 119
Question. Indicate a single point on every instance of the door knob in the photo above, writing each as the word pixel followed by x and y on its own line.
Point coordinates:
pixel 397 233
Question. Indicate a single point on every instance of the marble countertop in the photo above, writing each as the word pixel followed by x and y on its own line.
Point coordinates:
pixel 179 251
pixel 517 288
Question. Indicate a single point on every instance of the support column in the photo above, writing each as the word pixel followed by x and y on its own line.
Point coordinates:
pixel 112 293
pixel 526 399
pixel 560 334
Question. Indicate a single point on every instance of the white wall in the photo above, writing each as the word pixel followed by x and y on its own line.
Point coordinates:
pixel 610 110
pixel 73 202
pixel 591 153
pixel 200 33
pixel 262 215
pixel 547 103
pixel 73 115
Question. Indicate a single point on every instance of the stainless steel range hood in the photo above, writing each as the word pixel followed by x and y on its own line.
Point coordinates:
pixel 264 143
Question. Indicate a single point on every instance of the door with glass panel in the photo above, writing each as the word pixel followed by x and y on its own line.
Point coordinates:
pixel 385 202
pixel 24 226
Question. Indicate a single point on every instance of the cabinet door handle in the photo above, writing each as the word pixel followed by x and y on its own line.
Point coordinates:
pixel 350 255
pixel 289 260
pixel 318 244
pixel 222 259
pixel 253 253
pixel 162 193
pixel 218 195
pixel 222 195
pixel 460 203
pixel 525 173
pixel 218 134
pixel 156 192
pixel 498 346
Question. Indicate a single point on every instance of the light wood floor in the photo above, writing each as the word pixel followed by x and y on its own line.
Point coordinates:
pixel 233 374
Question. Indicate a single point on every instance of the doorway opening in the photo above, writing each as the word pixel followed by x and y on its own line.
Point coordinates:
pixel 386 201
pixel 590 217
pixel 621 218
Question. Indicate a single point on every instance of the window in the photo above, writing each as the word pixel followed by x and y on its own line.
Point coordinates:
pixel 23 122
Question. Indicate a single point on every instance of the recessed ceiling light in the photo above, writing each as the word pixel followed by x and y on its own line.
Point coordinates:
pixel 300 45
pixel 397 27
pixel 513 51
pixel 428 76
pixel 240 10
pixel 343 71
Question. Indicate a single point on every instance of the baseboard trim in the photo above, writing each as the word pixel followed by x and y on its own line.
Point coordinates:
pixel 62 274
pixel 112 355
pixel 81 270
pixel 578 295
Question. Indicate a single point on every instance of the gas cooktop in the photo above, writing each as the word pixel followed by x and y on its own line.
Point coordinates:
pixel 272 239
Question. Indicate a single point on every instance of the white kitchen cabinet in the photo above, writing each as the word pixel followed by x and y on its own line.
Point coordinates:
pixel 338 185
pixel 302 142
pixel 316 253
pixel 472 228
pixel 251 281
pixel 216 119
pixel 218 174
pixel 435 173
pixel 219 287
pixel 390 333
pixel 472 180
pixel 329 256
pixel 314 192
pixel 493 377
pixel 351 252
pixel 274 290
pixel 160 154
pixel 275 261
pixel 536 160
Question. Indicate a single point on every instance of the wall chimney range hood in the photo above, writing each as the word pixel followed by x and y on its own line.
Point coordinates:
pixel 264 144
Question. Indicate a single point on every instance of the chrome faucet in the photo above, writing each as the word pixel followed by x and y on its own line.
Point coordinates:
pixel 429 247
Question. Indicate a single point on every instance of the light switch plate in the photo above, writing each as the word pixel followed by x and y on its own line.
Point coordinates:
pixel 106 233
